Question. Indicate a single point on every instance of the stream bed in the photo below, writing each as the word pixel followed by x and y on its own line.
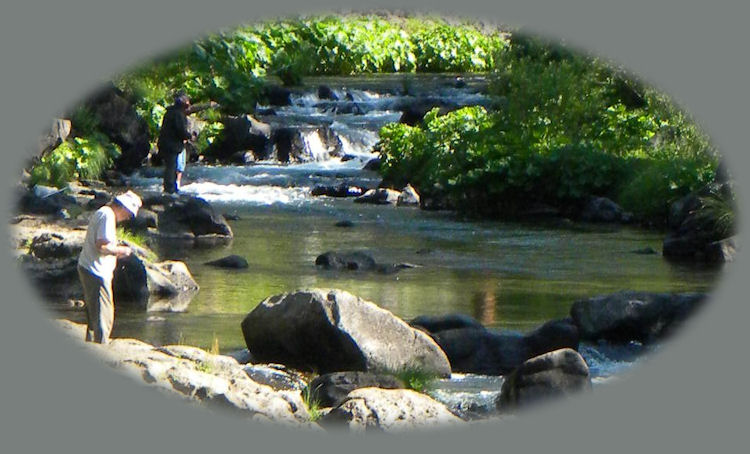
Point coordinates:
pixel 509 276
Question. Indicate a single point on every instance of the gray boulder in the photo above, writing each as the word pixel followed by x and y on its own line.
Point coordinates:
pixel 381 196
pixel 276 376
pixel 332 330
pixel 192 215
pixel 389 410
pixel 331 390
pixel 241 134
pixel 633 316
pixel 555 374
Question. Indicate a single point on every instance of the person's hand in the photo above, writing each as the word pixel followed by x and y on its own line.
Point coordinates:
pixel 124 251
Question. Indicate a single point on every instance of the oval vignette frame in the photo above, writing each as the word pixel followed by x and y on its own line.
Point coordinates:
pixel 662 356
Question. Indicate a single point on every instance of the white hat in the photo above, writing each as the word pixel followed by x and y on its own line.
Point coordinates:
pixel 130 201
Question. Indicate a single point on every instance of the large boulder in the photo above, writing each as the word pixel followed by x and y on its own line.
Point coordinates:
pixel 555 374
pixel 341 190
pixel 192 215
pixel 633 316
pixel 390 410
pixel 408 197
pixel 481 351
pixel 331 390
pixel 332 330
pixel 119 120
pixel 241 134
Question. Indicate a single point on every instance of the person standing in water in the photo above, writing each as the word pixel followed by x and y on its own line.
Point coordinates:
pixel 173 137
pixel 97 262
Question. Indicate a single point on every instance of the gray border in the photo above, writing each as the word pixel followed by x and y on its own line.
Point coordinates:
pixel 690 398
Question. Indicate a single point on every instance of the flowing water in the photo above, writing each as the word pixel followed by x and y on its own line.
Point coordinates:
pixel 510 276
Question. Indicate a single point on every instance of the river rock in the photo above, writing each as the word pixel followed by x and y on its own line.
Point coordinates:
pixel 436 323
pixel 142 285
pixel 331 390
pixel 192 215
pixel 277 376
pixel 55 246
pixel 633 316
pixel 241 134
pixel 43 200
pixel 408 197
pixel 555 374
pixel 325 92
pixel 355 261
pixel 56 135
pixel 214 381
pixel 278 96
pixel 380 196
pixel 389 410
pixel 722 251
pixel 144 220
pixel 481 351
pixel 118 119
pixel 602 209
pixel 332 330
pixel 372 165
pixel 230 261
pixel 341 190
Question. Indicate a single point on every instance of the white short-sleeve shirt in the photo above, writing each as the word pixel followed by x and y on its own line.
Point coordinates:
pixel 102 227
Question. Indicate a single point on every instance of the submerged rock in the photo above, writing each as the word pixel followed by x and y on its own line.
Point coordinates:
pixel 332 330
pixel 633 316
pixel 357 261
pixel 602 209
pixel 230 261
pixel 555 374
pixel 389 410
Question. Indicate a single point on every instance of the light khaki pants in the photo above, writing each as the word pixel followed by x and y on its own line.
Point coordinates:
pixel 100 309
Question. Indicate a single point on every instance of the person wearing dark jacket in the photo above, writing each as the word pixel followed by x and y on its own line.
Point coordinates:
pixel 173 136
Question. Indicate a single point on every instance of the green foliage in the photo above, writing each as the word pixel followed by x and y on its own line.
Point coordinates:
pixel 571 126
pixel 416 378
pixel 717 214
pixel 76 158
pixel 312 402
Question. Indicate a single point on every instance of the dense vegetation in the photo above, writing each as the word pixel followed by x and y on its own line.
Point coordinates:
pixel 571 126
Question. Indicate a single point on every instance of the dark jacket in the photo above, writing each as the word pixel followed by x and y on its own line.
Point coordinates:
pixel 174 130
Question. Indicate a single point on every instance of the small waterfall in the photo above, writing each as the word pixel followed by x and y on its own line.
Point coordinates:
pixel 314 148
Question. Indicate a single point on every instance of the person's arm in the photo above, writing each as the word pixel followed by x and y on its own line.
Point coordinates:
pixel 106 237
pixel 112 248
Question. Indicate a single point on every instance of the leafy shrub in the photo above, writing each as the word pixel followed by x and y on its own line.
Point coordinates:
pixel 76 158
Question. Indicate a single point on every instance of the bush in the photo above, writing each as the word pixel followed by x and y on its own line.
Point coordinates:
pixel 76 158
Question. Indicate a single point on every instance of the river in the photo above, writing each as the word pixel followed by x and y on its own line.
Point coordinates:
pixel 510 276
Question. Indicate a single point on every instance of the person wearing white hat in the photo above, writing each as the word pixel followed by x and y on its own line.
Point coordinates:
pixel 97 262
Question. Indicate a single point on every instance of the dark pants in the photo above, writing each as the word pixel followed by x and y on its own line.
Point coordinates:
pixel 169 156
